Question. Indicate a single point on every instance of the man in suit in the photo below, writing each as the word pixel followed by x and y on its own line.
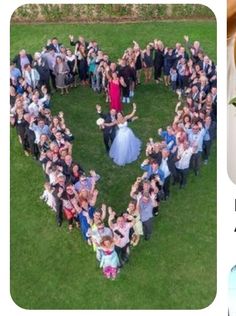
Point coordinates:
pixel 167 166
pixel 207 66
pixel 210 135
pixel 109 126
pixel 41 65
pixel 31 76
pixel 58 189
pixel 22 59
pixel 195 137
pixel 54 44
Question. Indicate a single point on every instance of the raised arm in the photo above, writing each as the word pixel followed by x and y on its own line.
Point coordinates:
pixel 111 217
pixel 104 211
pixel 93 200
pixel 129 116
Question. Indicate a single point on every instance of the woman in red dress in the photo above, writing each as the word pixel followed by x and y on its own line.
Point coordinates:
pixel 114 92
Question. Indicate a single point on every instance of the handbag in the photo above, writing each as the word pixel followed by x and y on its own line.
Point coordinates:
pixel 69 79
pixel 69 213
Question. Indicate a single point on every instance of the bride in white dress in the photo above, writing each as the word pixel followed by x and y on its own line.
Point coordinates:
pixel 126 146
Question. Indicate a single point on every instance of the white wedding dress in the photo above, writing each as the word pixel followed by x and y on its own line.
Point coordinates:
pixel 125 147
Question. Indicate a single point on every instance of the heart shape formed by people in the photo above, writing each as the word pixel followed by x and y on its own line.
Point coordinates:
pixel 89 150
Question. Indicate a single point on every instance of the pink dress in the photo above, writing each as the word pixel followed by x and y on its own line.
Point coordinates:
pixel 114 94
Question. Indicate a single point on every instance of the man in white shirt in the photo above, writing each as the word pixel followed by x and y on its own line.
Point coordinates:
pixel 31 76
pixel 195 138
pixel 167 168
pixel 39 129
pixel 35 106
pixel 182 165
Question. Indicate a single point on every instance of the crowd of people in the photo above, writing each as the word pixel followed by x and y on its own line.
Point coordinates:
pixel 70 191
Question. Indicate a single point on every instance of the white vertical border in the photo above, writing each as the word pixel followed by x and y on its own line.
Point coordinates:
pixel 226 191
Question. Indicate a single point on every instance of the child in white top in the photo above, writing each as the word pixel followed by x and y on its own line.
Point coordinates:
pixel 48 197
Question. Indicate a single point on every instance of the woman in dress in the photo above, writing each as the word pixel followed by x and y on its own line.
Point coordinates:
pixel 72 63
pixel 126 146
pixel 168 63
pixel 114 92
pixel 138 61
pixel 60 70
pixel 80 52
pixel 158 60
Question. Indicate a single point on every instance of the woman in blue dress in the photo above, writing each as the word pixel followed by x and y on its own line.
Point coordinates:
pixel 126 146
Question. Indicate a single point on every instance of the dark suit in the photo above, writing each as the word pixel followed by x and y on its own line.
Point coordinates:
pixel 214 109
pixel 17 61
pixel 109 132
pixel 44 74
pixel 207 68
pixel 58 202
pixel 171 166
pixel 56 48
pixel 207 143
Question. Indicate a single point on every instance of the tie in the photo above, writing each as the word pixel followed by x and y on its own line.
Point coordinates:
pixel 31 80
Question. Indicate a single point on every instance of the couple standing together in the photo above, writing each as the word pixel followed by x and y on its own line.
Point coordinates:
pixel 120 142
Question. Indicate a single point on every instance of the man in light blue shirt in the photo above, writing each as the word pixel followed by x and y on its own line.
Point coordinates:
pixel 145 205
pixel 152 168
pixel 39 129
pixel 87 183
pixel 195 137
pixel 15 73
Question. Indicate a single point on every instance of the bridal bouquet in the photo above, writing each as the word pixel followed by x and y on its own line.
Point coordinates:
pixel 100 121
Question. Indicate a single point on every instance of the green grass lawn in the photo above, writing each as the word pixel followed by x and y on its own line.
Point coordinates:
pixel 54 269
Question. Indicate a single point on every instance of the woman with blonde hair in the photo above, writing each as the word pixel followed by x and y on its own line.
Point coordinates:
pixel 231 90
pixel 231 45
pixel 158 60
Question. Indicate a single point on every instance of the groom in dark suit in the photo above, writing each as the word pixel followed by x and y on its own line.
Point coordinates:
pixel 109 132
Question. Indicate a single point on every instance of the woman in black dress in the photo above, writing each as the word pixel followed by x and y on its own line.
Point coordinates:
pixel 169 60
pixel 82 63
pixel 158 60
pixel 72 63
pixel 138 61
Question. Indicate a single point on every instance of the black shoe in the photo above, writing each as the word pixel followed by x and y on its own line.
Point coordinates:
pixel 59 224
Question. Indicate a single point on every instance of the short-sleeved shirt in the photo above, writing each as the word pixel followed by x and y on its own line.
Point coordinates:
pixel 145 210
pixel 122 242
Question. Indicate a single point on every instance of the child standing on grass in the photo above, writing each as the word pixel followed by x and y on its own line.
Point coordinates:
pixel 48 197
pixel 109 261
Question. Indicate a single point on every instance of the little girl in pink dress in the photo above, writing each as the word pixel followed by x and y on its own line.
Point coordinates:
pixel 109 261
